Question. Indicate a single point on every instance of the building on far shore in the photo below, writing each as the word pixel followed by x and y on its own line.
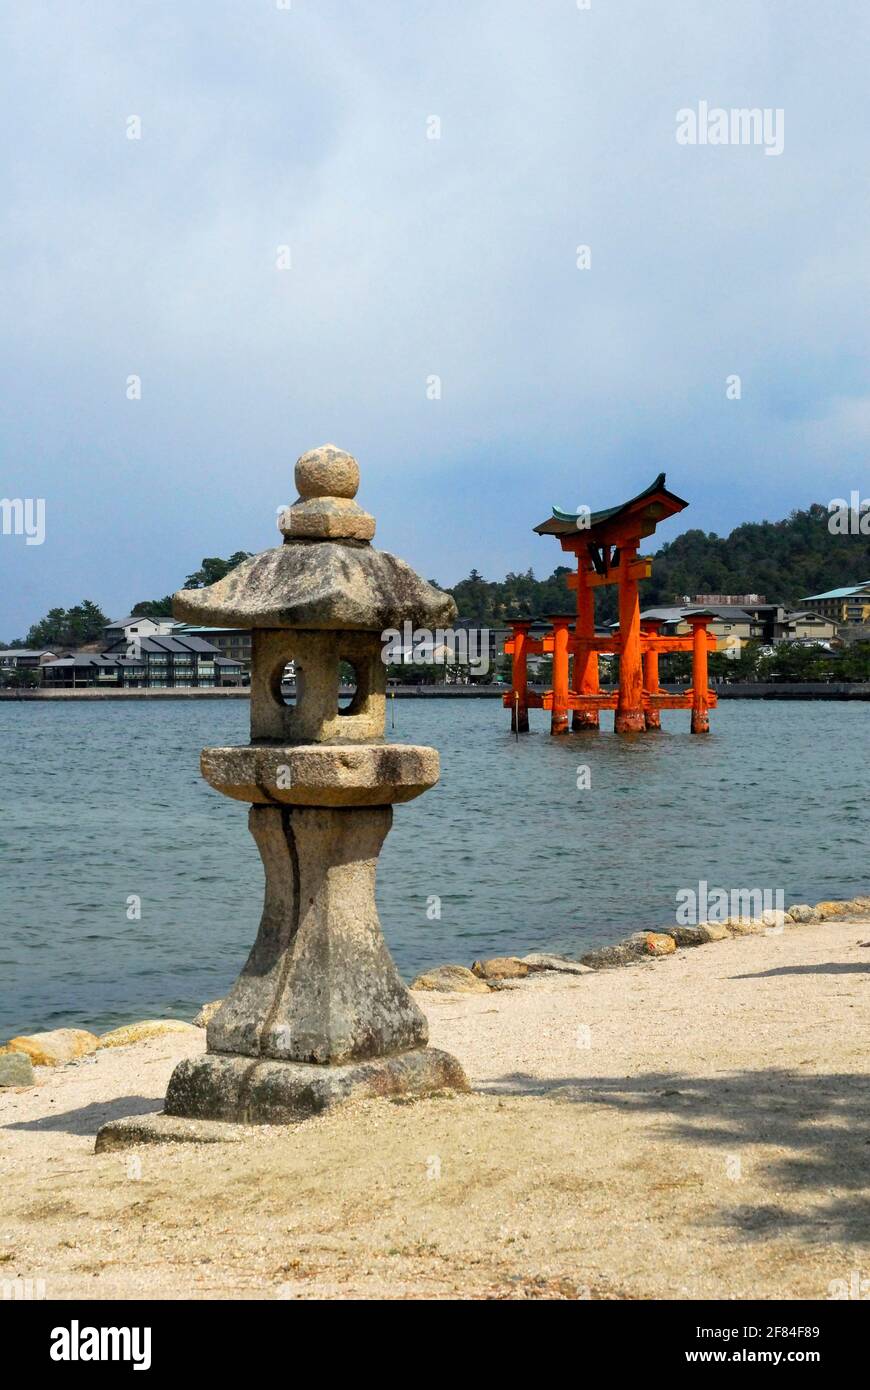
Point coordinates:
pixel 232 642
pixel 81 669
pixel 733 626
pixel 25 659
pixel 727 600
pixel 147 663
pixel 806 625
pixel 850 604
pixel 135 625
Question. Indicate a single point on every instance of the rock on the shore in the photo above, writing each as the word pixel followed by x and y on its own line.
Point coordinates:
pixel 16 1069
pixel 207 1013
pixel 53 1048
pixel 541 960
pixel 604 957
pixel 500 968
pixel 687 936
pixel 773 919
pixel 638 946
pixel 654 943
pixel 456 979
pixel 139 1032
pixel 801 912
pixel 714 931
pixel 742 926
pixel 829 908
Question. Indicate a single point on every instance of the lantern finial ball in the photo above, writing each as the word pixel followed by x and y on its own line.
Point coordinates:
pixel 327 472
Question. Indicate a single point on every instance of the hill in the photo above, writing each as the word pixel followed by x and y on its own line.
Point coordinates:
pixel 784 560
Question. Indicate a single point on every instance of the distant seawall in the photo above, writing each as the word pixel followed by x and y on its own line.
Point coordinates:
pixel 754 690
pixel 794 690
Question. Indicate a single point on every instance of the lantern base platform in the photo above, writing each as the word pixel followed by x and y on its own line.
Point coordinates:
pixel 225 1092
pixel 133 1131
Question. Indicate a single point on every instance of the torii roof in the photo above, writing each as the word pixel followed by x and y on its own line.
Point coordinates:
pixel 656 503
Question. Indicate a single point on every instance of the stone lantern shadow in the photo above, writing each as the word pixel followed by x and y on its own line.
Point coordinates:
pixel 319 1013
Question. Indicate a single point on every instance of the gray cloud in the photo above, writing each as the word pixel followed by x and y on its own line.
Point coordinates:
pixel 411 256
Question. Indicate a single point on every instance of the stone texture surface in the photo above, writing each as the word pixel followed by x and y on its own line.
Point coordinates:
pixel 714 931
pixel 831 908
pixel 452 979
pixel 500 968
pixel 802 912
pixel 606 957
pixel 16 1069
pixel 148 1028
pixel 318 584
pixel 315 716
pixel 773 919
pixel 326 471
pixel 135 1130
pixel 207 1013
pixel 322 775
pixel 53 1048
pixel 333 518
pixel 246 1091
pixel 327 480
pixel 319 984
pixel 688 936
pixel 655 943
pixel 742 926
pixel 563 965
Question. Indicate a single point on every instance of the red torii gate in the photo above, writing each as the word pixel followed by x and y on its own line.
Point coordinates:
pixel 606 545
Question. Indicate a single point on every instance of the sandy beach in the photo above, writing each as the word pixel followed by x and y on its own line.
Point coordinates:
pixel 690 1127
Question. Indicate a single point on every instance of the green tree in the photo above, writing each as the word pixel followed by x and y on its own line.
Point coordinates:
pixel 212 569
pixel 854 663
pixel 70 627
pixel 153 608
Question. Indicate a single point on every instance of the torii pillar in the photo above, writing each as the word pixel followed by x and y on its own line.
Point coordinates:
pixel 651 628
pixel 559 714
pixel 585 680
pixel 629 710
pixel 519 680
pixel 700 707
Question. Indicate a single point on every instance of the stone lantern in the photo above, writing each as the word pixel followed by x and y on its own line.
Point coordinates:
pixel 319 1013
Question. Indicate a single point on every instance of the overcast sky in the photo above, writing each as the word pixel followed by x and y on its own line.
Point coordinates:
pixel 413 257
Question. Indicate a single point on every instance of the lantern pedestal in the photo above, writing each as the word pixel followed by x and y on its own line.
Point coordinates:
pixel 319 1014
pixel 319 985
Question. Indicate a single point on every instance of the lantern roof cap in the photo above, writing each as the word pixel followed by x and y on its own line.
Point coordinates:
pixel 326 575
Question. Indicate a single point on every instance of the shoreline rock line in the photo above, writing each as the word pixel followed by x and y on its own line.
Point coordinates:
pixel 63 1046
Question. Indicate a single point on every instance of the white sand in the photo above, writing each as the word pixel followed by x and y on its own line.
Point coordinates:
pixel 689 1127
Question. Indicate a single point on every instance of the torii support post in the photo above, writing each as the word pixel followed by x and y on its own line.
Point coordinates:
pixel 652 716
pixel 519 678
pixel 559 716
pixel 629 710
pixel 584 679
pixel 700 707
